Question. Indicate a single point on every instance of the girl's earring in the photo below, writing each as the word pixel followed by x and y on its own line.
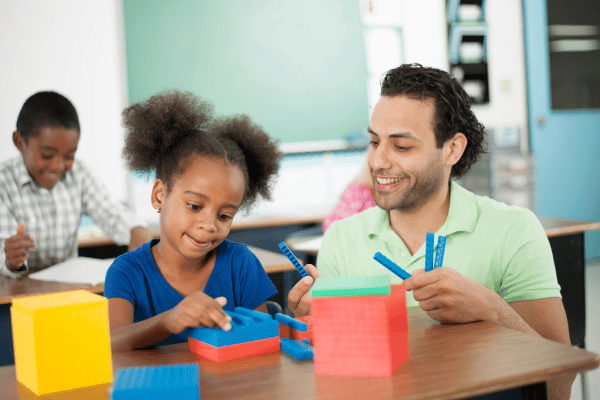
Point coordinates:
pixel 157 210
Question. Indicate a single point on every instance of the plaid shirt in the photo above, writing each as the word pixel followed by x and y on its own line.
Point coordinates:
pixel 53 216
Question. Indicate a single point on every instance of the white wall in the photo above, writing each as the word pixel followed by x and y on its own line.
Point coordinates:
pixel 74 47
pixel 424 28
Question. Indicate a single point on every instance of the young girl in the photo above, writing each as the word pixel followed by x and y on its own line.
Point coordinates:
pixel 206 170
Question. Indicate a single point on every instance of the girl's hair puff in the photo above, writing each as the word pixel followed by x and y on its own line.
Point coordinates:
pixel 249 147
pixel 165 132
pixel 158 128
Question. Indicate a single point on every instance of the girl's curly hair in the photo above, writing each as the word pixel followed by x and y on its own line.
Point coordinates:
pixel 165 132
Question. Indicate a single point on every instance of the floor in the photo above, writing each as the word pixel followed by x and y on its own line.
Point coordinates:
pixel 592 331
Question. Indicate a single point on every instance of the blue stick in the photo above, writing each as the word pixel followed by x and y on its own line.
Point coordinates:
pixel 429 251
pixel 439 252
pixel 288 253
pixel 389 264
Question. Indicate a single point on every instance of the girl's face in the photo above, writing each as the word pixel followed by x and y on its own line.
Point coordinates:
pixel 196 215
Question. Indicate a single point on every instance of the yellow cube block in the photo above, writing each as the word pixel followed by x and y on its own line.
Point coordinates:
pixel 61 341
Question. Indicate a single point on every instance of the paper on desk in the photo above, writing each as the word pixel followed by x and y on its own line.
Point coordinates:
pixel 309 245
pixel 76 270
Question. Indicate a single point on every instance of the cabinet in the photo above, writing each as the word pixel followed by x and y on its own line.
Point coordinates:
pixel 467 47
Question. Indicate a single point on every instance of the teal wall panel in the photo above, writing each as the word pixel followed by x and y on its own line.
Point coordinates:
pixel 297 67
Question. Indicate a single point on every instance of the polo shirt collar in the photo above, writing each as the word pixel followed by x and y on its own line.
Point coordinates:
pixel 22 174
pixel 462 217
pixel 380 228
pixel 462 214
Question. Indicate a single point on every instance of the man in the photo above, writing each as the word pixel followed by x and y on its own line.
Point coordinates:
pixel 498 265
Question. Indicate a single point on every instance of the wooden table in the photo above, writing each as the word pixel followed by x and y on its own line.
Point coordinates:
pixel 101 240
pixel 11 288
pixel 446 362
pixel 553 227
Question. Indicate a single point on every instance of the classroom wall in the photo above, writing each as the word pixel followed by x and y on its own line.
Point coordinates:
pixel 77 48
pixel 73 47
pixel 296 67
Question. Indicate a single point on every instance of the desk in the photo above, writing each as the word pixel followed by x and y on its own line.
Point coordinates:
pixel 91 238
pixel 552 226
pixel 442 365
pixel 274 263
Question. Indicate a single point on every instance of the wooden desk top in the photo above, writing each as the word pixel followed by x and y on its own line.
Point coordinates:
pixel 235 226
pixel 561 227
pixel 11 288
pixel 552 227
pixel 446 362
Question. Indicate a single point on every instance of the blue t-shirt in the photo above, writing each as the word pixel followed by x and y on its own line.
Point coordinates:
pixel 238 276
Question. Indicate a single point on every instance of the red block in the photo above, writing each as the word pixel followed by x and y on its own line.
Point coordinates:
pixel 234 351
pixel 293 334
pixel 360 335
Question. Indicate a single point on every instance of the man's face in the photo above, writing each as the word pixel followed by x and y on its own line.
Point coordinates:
pixel 406 166
pixel 49 155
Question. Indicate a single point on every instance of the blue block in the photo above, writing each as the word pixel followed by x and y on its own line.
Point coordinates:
pixel 439 252
pixel 291 322
pixel 299 349
pixel 389 264
pixel 288 253
pixel 246 325
pixel 157 383
pixel 429 252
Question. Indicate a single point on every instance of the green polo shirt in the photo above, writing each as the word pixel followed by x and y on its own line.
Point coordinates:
pixel 502 247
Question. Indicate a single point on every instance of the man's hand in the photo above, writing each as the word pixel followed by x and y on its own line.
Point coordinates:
pixel 299 296
pixel 447 296
pixel 17 248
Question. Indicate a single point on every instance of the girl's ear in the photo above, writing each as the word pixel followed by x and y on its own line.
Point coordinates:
pixel 19 141
pixel 159 192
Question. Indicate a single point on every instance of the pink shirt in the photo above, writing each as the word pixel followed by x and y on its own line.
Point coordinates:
pixel 356 198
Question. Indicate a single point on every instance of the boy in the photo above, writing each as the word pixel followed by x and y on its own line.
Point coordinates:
pixel 45 192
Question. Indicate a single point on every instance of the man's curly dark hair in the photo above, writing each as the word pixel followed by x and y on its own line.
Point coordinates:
pixel 452 107
pixel 165 132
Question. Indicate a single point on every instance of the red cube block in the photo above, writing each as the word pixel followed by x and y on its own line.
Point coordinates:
pixel 360 335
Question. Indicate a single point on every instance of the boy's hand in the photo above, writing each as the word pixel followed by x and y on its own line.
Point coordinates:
pixel 197 310
pixel 299 296
pixel 17 248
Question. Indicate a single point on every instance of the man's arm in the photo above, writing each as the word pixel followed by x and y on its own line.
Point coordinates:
pixel 447 296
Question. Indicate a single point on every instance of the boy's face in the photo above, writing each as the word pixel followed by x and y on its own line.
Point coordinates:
pixel 49 155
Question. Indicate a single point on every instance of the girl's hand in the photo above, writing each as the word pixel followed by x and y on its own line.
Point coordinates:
pixel 197 310
pixel 299 296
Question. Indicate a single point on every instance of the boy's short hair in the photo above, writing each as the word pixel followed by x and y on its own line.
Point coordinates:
pixel 45 109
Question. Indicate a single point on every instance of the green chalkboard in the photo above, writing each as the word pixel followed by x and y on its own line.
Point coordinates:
pixel 297 67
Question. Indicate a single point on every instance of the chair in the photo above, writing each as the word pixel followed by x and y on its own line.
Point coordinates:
pixel 273 308
pixel 570 272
